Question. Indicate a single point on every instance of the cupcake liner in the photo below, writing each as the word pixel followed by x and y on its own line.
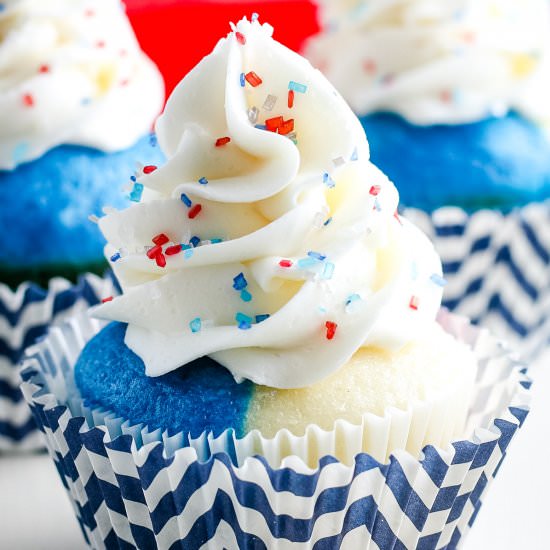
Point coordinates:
pixel 132 488
pixel 25 315
pixel 498 269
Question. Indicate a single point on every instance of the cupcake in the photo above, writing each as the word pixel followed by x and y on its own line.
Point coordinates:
pixel 78 99
pixel 273 372
pixel 453 101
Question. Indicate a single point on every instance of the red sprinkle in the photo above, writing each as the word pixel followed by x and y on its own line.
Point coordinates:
pixel 286 127
pixel 154 251
pixel 194 211
pixel 100 43
pixel 446 96
pixel 396 216
pixel 171 250
pixel 253 79
pixel 108 299
pixel 44 69
pixel 285 263
pixel 331 329
pixel 290 99
pixel 160 239
pixel 89 13
pixel 374 190
pixel 28 100
pixel 160 259
pixel 240 38
pixel 369 66
pixel 149 168
pixel 222 141
pixel 413 304
pixel 273 124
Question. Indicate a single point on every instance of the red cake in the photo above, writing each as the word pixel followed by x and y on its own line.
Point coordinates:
pixel 195 27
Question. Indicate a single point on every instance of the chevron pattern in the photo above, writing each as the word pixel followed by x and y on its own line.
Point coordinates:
pixel 498 269
pixel 25 315
pixel 129 493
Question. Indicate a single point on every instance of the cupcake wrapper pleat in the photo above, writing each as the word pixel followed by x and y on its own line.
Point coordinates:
pixel 140 490
pixel 25 315
pixel 498 269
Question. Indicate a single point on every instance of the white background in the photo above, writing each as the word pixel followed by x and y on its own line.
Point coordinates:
pixel 35 513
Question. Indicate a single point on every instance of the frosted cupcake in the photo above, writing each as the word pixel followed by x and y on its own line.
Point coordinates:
pixel 78 99
pixel 452 97
pixel 274 367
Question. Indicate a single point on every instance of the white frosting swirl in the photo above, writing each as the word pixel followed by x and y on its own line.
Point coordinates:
pixel 268 199
pixel 72 72
pixel 433 61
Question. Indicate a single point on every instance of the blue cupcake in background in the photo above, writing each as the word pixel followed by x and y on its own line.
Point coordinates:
pixel 452 97
pixel 78 99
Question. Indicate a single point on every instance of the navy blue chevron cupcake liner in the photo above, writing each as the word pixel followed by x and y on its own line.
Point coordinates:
pixel 498 269
pixel 161 492
pixel 25 315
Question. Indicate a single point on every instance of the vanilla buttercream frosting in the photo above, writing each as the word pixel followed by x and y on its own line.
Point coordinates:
pixel 72 72
pixel 267 241
pixel 432 61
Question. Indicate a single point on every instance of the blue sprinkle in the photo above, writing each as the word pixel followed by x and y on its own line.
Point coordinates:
pixel 304 263
pixel 260 126
pixel 136 193
pixel 133 178
pixel 243 81
pixel 328 271
pixel 185 246
pixel 316 255
pixel 216 240
pixel 186 200
pixel 153 140
pixel 203 181
pixel 438 280
pixel 263 317
pixel 195 325
pixel 354 155
pixel 243 318
pixel 240 282
pixel 115 257
pixel 352 298
pixel 85 101
pixel 328 181
pixel 377 205
pixel 194 241
pixel 244 325
pixel 245 295
pixel 297 87
pixel 327 221
pixel 254 17
pixel 188 253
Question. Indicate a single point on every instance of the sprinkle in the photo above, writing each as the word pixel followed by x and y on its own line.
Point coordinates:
pixel 133 178
pixel 339 161
pixel 438 280
pixel 244 321
pixel 369 66
pixel 108 299
pixel 253 113
pixel 297 87
pixel 137 191
pixel 245 295
pixel 186 200
pixel 254 17
pixel 115 257
pixel 44 69
pixel 374 190
pixel 28 100
pixel 413 303
pixel 216 240
pixel 93 218
pixel 160 239
pixel 172 250
pixel 262 317
pixel 352 298
pixel 253 79
pixel 327 221
pixel 260 126
pixel 328 181
pixel 354 155
pixel 287 127
pixel 331 329
pixel 242 79
pixel 292 137
pixel 240 282
pixel 153 140
pixel 240 38
pixel 316 255
pixel 194 241
pixel 154 251
pixel 100 43
pixel 396 216
pixel 290 100
pixel 203 181
pixel 269 102
pixel 222 141
pixel 305 263
pixel 243 325
pixel 185 246
pixel 377 206
pixel 328 271
pixel 149 168
pixel 188 253
pixel 160 259
pixel 194 211
pixel 273 124
pixel 195 325
pixel 285 263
